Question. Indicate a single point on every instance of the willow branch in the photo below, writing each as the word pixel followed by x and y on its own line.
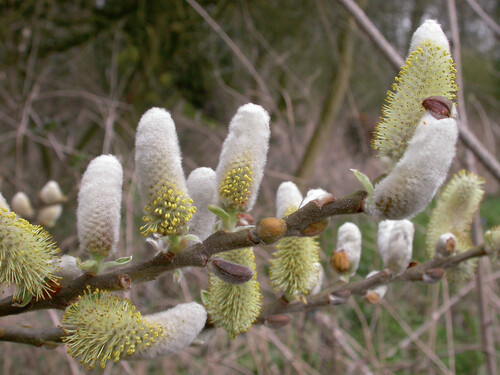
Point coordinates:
pixel 48 337
pixel 339 293
pixel 468 138
pixel 197 255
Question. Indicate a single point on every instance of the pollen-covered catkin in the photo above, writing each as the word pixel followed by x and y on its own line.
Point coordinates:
pixel 234 307
pixel 243 158
pixel 454 213
pixel 101 327
pixel 295 267
pixel 99 205
pixel 27 253
pixel 162 185
pixel 428 71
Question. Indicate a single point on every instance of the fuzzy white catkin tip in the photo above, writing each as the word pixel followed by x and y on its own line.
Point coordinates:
pixel 243 158
pixel 48 216
pixel 181 325
pixel 3 203
pixel 415 179
pixel 314 194
pixel 67 269
pixel 288 198
pixel 395 244
pixel 51 193
pixel 201 188
pixel 349 240
pixel 99 204
pixel 157 153
pixel 21 205
pixel 431 31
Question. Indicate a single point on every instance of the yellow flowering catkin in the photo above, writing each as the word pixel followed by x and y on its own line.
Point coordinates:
pixel 428 71
pixel 454 213
pixel 26 255
pixel 167 204
pixel 295 261
pixel 234 307
pixel 102 326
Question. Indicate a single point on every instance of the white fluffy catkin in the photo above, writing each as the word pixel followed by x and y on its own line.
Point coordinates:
pixel 243 158
pixel 21 205
pixel 395 244
pixel 288 199
pixel 349 240
pixel 430 30
pixel 48 215
pixel 67 269
pixel 201 187
pixel 157 153
pixel 314 194
pixel 51 193
pixel 181 325
pixel 99 204
pixel 415 179
pixel 3 203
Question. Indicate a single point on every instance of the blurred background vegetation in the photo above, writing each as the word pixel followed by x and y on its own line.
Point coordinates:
pixel 75 77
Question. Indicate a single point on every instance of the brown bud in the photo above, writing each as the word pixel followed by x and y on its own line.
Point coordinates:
pixel 433 275
pixel 340 261
pixel 438 106
pixel 450 245
pixel 270 229
pixel 124 281
pixel 372 298
pixel 413 263
pixel 244 219
pixel 277 321
pixel 229 272
pixel 339 298
pixel 315 228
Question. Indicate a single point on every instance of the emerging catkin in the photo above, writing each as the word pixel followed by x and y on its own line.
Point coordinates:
pixel 428 71
pixel 454 212
pixel 162 185
pixel 243 157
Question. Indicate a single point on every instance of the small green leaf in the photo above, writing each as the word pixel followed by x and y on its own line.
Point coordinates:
pixel 364 180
